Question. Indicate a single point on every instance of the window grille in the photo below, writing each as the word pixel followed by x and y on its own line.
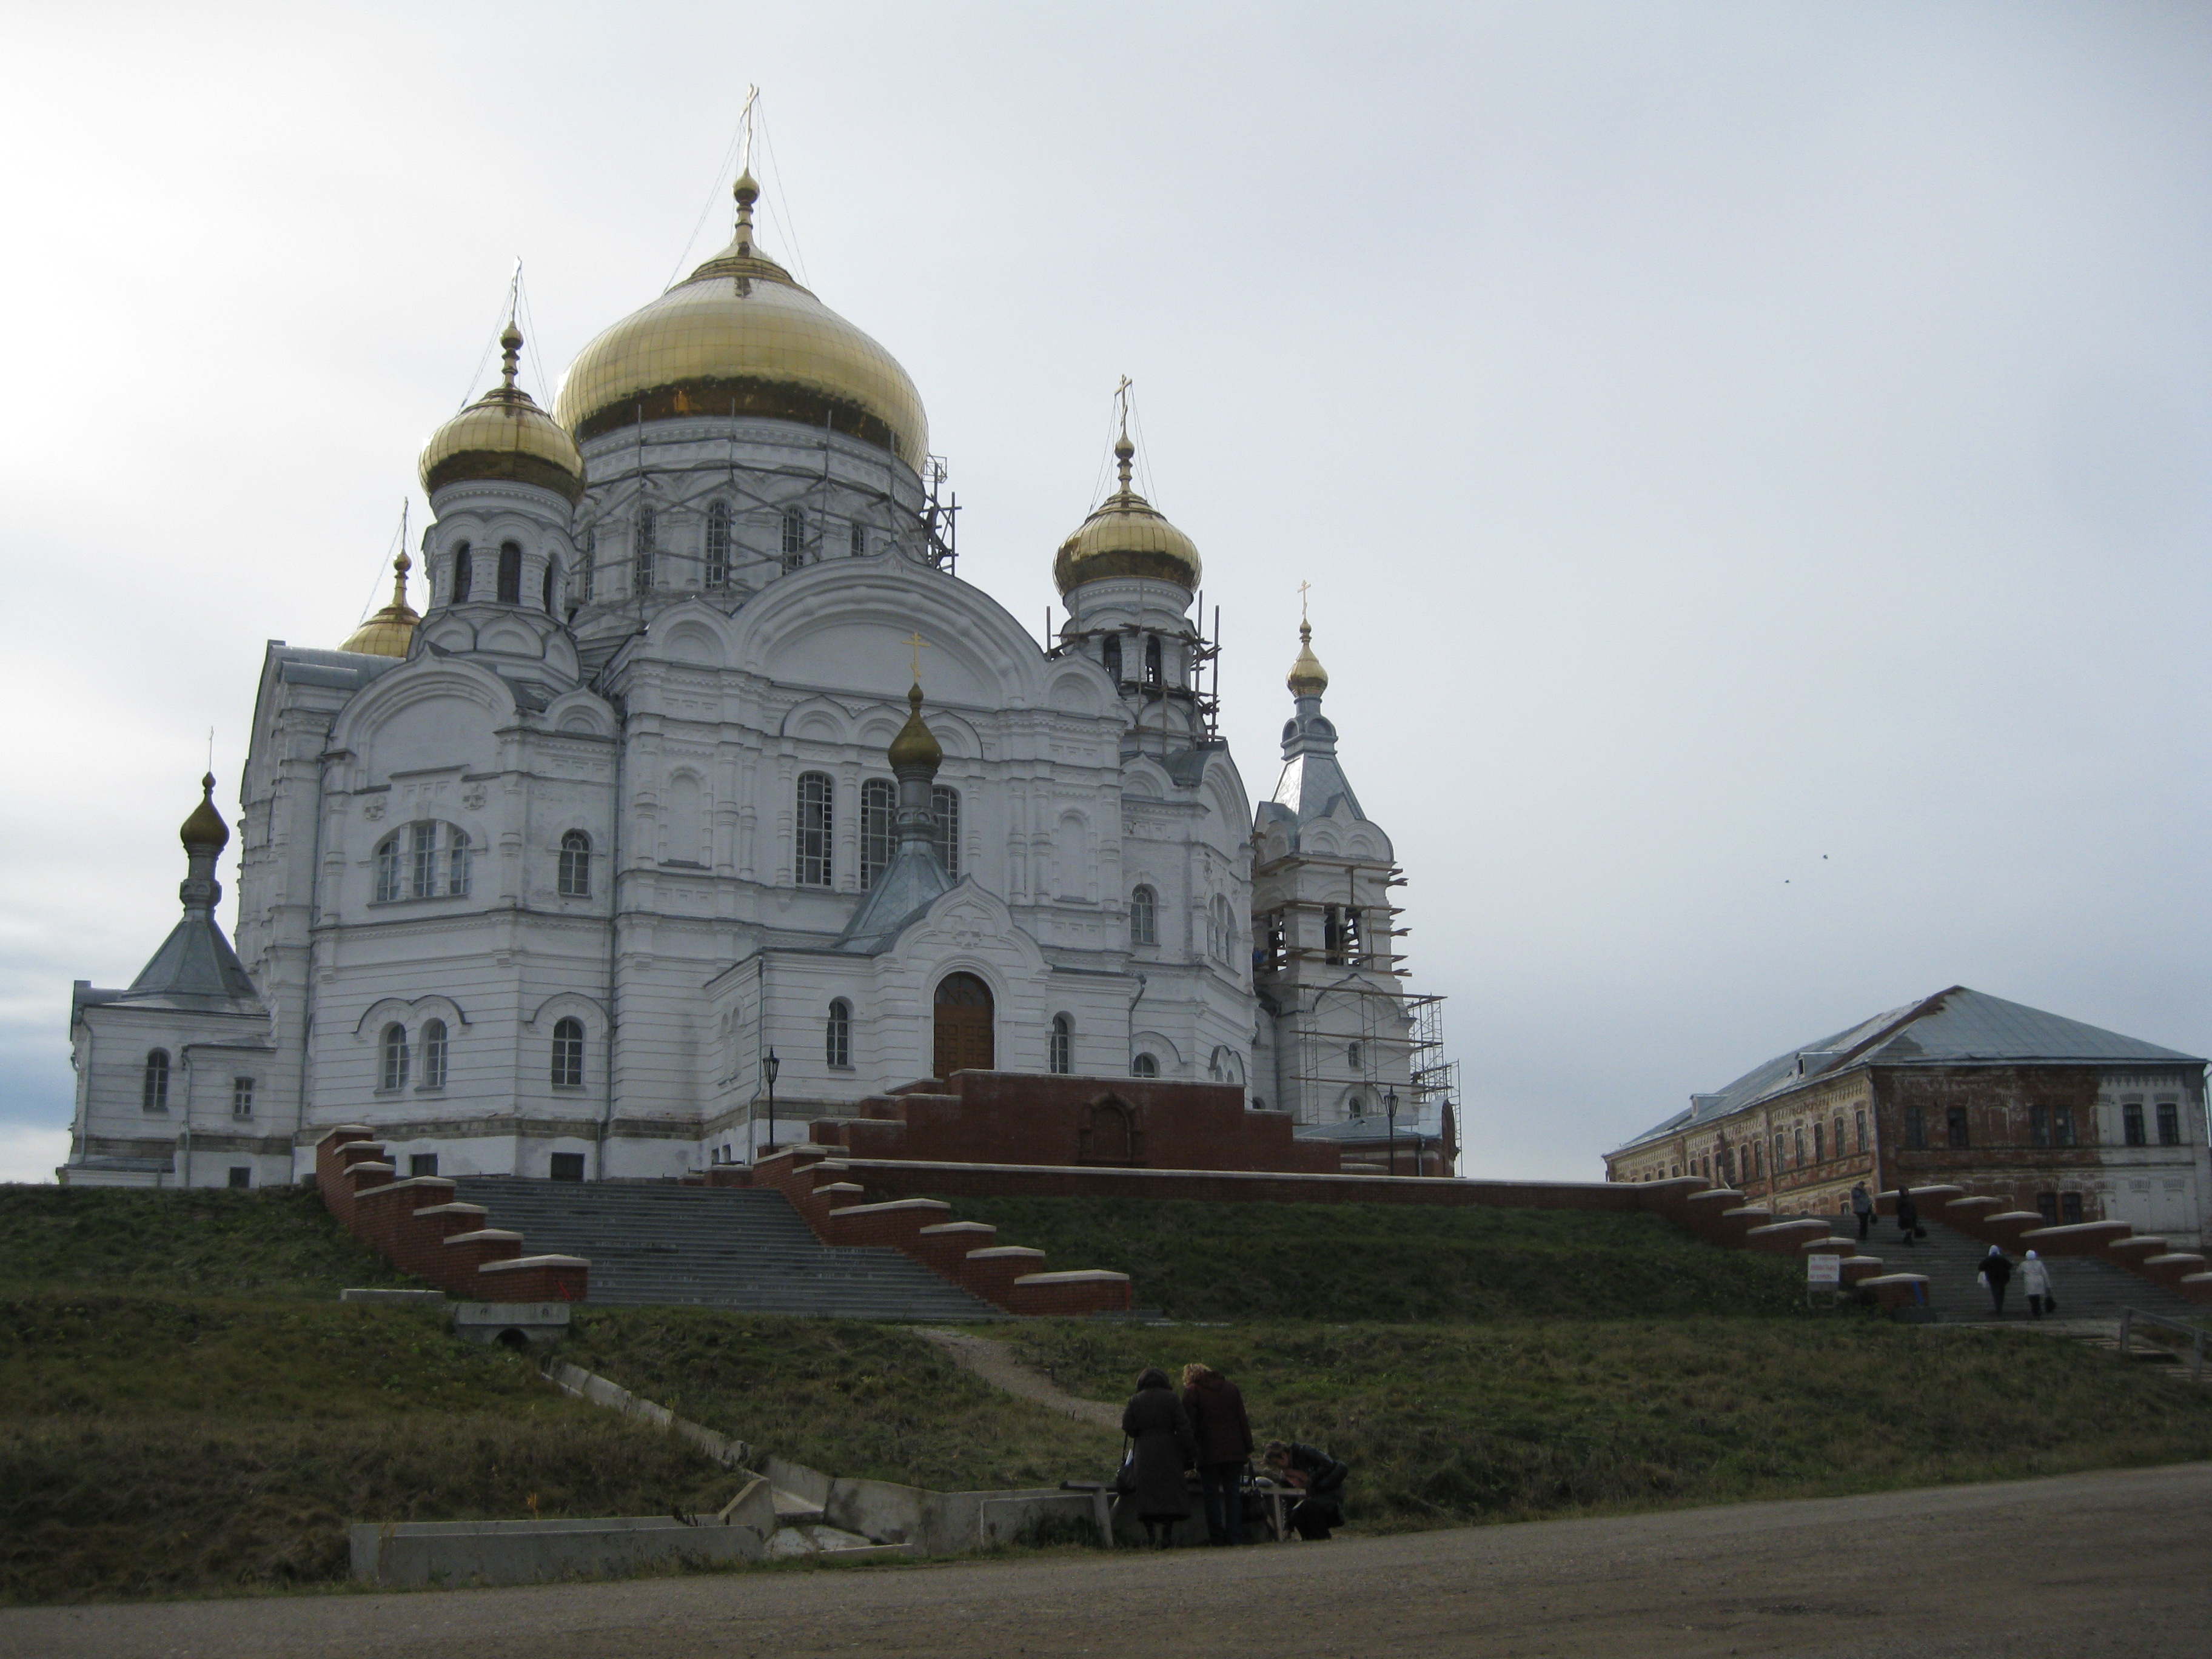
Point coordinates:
pixel 2131 1123
pixel 837 1033
pixel 422 860
pixel 641 566
pixel 1061 1058
pixel 465 573
pixel 945 826
pixel 860 542
pixel 395 1059
pixel 794 539
pixel 575 880
pixel 457 863
pixel 434 1056
pixel 241 1097
pixel 816 818
pixel 568 1053
pixel 1144 1066
pixel 154 1088
pixel 510 574
pixel 1143 917
pixel 879 811
pixel 718 544
pixel 2169 1124
pixel 587 578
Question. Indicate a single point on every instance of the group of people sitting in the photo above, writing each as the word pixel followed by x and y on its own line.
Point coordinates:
pixel 1205 1431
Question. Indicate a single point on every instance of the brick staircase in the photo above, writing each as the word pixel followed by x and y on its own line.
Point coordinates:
pixel 2087 1289
pixel 663 1244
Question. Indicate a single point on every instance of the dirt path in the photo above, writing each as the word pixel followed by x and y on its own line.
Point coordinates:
pixel 2107 1565
pixel 995 1364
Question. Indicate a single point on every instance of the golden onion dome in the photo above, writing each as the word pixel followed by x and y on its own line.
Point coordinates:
pixel 391 630
pixel 205 829
pixel 915 747
pixel 739 337
pixel 1126 536
pixel 504 434
pixel 1307 678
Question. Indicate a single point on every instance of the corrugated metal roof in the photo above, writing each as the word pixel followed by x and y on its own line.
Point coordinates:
pixel 1954 1027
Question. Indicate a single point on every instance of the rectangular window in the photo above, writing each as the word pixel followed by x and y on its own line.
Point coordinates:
pixel 815 822
pixel 718 545
pixel 568 1166
pixel 860 542
pixel 879 809
pixel 2069 1208
pixel 422 861
pixel 1820 1150
pixel 388 871
pixel 2169 1124
pixel 457 865
pixel 1915 1130
pixel 2039 1126
pixel 1797 1147
pixel 1954 1128
pixel 640 569
pixel 945 826
pixel 794 539
pixel 241 1097
pixel 2061 1125
pixel 422 1164
pixel 1860 1128
pixel 2131 1124
pixel 2046 1205
pixel 241 1176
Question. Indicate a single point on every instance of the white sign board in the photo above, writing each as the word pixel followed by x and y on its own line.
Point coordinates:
pixel 1824 1269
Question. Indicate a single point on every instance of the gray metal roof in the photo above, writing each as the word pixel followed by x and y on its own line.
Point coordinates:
pixel 1957 1027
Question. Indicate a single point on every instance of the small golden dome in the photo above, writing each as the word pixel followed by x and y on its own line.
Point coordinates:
pixel 205 830
pixel 504 434
pixel 916 745
pixel 739 337
pixel 391 631
pixel 1307 678
pixel 1126 536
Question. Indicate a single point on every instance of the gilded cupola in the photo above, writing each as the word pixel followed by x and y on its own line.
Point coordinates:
pixel 739 337
pixel 391 631
pixel 1307 678
pixel 1126 536
pixel 204 831
pixel 504 435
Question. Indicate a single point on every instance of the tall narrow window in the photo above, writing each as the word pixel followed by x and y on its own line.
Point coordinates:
pixel 241 1097
pixel 718 544
pixel 2169 1124
pixel 465 573
pixel 2131 1124
pixel 945 826
pixel 1915 1130
pixel 1144 1066
pixel 859 547
pixel 1859 1127
pixel 153 1086
pixel 1143 917
pixel 457 863
pixel 395 1059
pixel 1152 660
pixel 794 539
pixel 1355 951
pixel 837 1033
pixel 422 860
pixel 1820 1148
pixel 1837 1143
pixel 568 1053
pixel 1277 955
pixel 545 589
pixel 879 811
pixel 1798 1147
pixel 2039 1126
pixel 1956 1131
pixel 510 574
pixel 1109 653
pixel 1059 1058
pixel 1781 1158
pixel 2069 1208
pixel 1225 930
pixel 2046 1205
pixel 575 864
pixel 388 870
pixel 434 1055
pixel 1352 1055
pixel 1332 935
pixel 587 577
pixel 815 822
pixel 2061 1125
pixel 649 541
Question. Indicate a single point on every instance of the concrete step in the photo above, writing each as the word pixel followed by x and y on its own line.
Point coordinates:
pixel 672 1246
pixel 2086 1288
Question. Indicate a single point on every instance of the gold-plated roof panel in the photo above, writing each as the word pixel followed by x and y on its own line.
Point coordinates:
pixel 503 437
pixel 1127 537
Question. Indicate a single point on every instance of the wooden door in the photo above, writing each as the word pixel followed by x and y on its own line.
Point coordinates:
pixel 965 1040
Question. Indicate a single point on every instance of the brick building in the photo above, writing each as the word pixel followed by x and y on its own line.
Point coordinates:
pixel 2045 1112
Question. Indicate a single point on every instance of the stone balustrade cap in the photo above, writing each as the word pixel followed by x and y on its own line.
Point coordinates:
pixel 2015 1215
pixel 1075 1276
pixel 1745 1210
pixel 2074 1230
pixel 2174 1259
pixel 522 1262
pixel 1000 1251
pixel 484 1236
pixel 1896 1279
pixel 453 1209
pixel 889 1205
pixel 1713 1194
pixel 960 1227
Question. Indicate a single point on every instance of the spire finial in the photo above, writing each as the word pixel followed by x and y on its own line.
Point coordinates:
pixel 510 345
pixel 1307 678
pixel 400 566
pixel 1124 451
pixel 747 191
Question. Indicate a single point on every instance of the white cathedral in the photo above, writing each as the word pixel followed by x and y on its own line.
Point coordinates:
pixel 643 828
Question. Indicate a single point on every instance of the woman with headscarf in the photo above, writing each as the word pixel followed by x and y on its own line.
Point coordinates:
pixel 1161 1447
pixel 1997 1273
pixel 2035 1280
pixel 1908 1215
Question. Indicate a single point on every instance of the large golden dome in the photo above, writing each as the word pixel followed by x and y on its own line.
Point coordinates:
pixel 504 434
pixel 391 631
pixel 1126 536
pixel 739 337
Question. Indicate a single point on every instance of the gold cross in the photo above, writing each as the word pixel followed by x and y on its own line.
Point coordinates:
pixel 917 641
pixel 1122 401
pixel 1303 589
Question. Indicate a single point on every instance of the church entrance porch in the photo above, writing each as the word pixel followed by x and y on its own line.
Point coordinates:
pixel 964 1025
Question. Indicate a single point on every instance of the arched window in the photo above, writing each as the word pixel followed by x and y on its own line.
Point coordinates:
pixel 421 860
pixel 1357 1105
pixel 1143 917
pixel 1220 929
pixel 568 1053
pixel 1781 1154
pixel 1838 1132
pixel 794 539
pixel 879 813
pixel 649 541
pixel 1144 1066
pixel 1352 1055
pixel 718 544
pixel 1152 660
pixel 465 574
pixel 1059 1058
pixel 154 1088
pixel 575 864
pixel 1798 1147
pixel 388 870
pixel 545 587
pixel 837 1033
pixel 510 574
pixel 457 863
pixel 394 1055
pixel 1277 955
pixel 433 1054
pixel 1109 653
pixel 1332 935
pixel 816 819
pixel 587 577
pixel 945 826
pixel 1819 1144
pixel 859 541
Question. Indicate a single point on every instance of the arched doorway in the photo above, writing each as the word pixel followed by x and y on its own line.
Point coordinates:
pixel 964 1025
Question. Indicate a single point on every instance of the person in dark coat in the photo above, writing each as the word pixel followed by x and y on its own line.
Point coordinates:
pixel 1216 1410
pixel 1908 1213
pixel 1161 1449
pixel 1317 1475
pixel 1862 1208
pixel 1997 1273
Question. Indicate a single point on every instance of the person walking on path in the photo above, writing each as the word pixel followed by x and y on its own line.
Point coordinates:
pixel 1997 1273
pixel 1223 1433
pixel 1908 1215
pixel 1161 1449
pixel 1862 1208
pixel 2035 1281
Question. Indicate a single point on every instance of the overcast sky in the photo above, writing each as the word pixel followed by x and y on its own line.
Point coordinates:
pixel 1753 462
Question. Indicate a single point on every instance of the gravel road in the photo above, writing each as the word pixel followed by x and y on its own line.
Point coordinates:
pixel 2107 1564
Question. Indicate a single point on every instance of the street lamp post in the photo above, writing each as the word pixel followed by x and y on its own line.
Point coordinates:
pixel 1391 1116
pixel 770 1067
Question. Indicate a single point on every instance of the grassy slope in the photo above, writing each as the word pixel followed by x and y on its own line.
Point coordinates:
pixel 1339 1261
pixel 1515 1419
